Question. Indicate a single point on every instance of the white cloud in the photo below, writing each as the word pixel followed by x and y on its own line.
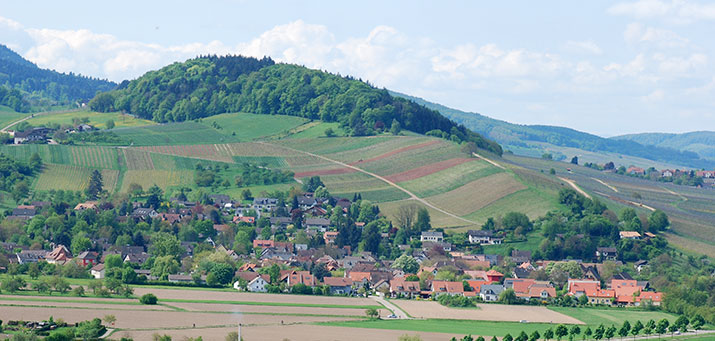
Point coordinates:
pixel 9 23
pixel 678 65
pixel 677 11
pixel 588 47
pixel 655 96
pixel 636 33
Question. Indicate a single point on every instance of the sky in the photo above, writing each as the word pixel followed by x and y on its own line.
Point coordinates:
pixel 607 68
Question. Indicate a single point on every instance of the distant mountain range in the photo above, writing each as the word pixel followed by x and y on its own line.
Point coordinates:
pixel 36 84
pixel 700 142
pixel 693 150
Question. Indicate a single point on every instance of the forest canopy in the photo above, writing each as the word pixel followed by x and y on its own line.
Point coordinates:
pixel 212 85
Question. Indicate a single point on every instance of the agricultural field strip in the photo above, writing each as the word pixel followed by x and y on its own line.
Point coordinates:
pixel 479 193
pixel 575 187
pixel 411 159
pixel 66 177
pixel 274 304
pixel 332 145
pixel 527 201
pixel 381 150
pixel 450 178
pixel 383 179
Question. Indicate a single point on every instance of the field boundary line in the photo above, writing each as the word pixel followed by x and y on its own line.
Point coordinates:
pixel 684 198
pixel 489 160
pixel 605 184
pixel 412 195
pixel 575 186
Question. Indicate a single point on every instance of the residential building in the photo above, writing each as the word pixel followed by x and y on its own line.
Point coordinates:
pixel 490 292
pixel 97 271
pixel 483 237
pixel 428 236
pixel 339 285
pixel 447 287
pixel 629 235
pixel 255 282
pixel 401 287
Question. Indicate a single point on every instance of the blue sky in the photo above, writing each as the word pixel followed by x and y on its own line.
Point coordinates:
pixel 607 68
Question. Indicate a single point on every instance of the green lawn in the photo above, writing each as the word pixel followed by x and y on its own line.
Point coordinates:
pixel 462 327
pixel 96 119
pixel 7 116
pixel 596 316
pixel 249 127
pixel 316 130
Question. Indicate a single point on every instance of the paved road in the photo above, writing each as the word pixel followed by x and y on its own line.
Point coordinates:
pixel 412 195
pixel 395 309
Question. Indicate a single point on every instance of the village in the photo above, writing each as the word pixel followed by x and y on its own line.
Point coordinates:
pixel 428 267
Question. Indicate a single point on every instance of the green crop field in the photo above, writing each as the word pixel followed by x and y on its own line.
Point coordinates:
pixel 528 201
pixel 387 147
pixel 411 159
pixel 267 161
pixel 595 316
pixel 184 133
pixel 477 194
pixel 161 178
pixel 96 119
pixel 332 145
pixel 247 127
pixel 449 179
pixel 63 177
pixel 93 157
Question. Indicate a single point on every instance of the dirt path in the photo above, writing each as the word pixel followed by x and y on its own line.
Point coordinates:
pixel 488 160
pixel 578 189
pixel 607 185
pixel 628 202
pixel 412 195
pixel 676 194
pixel 395 309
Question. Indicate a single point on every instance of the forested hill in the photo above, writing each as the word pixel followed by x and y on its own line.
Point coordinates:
pixel 213 85
pixel 700 142
pixel 533 136
pixel 19 74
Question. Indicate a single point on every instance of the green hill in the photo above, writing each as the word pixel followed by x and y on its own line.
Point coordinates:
pixel 534 140
pixel 41 86
pixel 700 142
pixel 207 86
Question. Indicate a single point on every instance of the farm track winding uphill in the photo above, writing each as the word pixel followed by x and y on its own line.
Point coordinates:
pixel 606 184
pixel 412 195
pixel 574 186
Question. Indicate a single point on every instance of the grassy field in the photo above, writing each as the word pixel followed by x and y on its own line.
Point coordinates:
pixel 160 177
pixel 477 194
pixel 96 119
pixel 247 127
pixel 7 116
pixel 173 134
pixel 316 130
pixel 484 328
pixel 594 316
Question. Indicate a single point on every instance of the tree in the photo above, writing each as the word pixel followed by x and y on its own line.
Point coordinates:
pixel 165 244
pixel 610 332
pixel 78 291
pixel 405 216
pixel 522 336
pixel 587 333
pixel 574 160
pixel 469 148
pixel 395 127
pixel 20 190
pixel 329 132
pixel 33 270
pixel 110 124
pixel 649 327
pixel 223 272
pixel 60 284
pixel 625 329
pixel 508 296
pixel 508 337
pixel 149 299
pixel 535 336
pixel 95 185
pixel 423 220
pixel 164 266
pixel 95 285
pixel 406 263
pixel 41 286
pixel 549 334
pixel 599 332
pixel 658 221
pixel 636 329
pixel 697 322
pixel 681 322
pixel 662 326
pixel 35 162
pixel 561 331
pixel 110 319
pixel 372 313
pixel 574 330
pixel 672 329
pixel 135 189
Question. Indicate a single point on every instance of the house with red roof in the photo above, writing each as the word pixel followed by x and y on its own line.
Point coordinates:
pixel 401 287
pixel 447 287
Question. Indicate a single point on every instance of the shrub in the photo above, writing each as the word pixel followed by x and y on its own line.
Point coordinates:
pixel 148 299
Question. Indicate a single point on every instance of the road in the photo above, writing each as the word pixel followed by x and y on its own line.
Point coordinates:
pixel 574 186
pixel 401 314
pixel 412 195
pixel 35 115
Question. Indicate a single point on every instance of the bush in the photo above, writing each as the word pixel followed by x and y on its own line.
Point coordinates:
pixel 148 299
pixel 455 301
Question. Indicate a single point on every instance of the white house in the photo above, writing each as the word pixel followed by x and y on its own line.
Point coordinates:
pixel 255 282
pixel 482 237
pixel 431 237
pixel 97 271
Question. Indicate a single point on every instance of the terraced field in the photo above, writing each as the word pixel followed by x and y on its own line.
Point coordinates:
pixel 65 177
pixel 185 133
pixel 93 157
pixel 477 194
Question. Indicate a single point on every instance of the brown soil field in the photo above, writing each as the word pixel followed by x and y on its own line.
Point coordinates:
pixel 5 303
pixel 486 312
pixel 397 151
pixel 137 319
pixel 74 299
pixel 272 309
pixel 250 297
pixel 320 172
pixel 477 194
pixel 426 170
pixel 296 332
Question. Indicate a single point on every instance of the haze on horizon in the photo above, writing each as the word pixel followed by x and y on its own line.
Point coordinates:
pixel 604 68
